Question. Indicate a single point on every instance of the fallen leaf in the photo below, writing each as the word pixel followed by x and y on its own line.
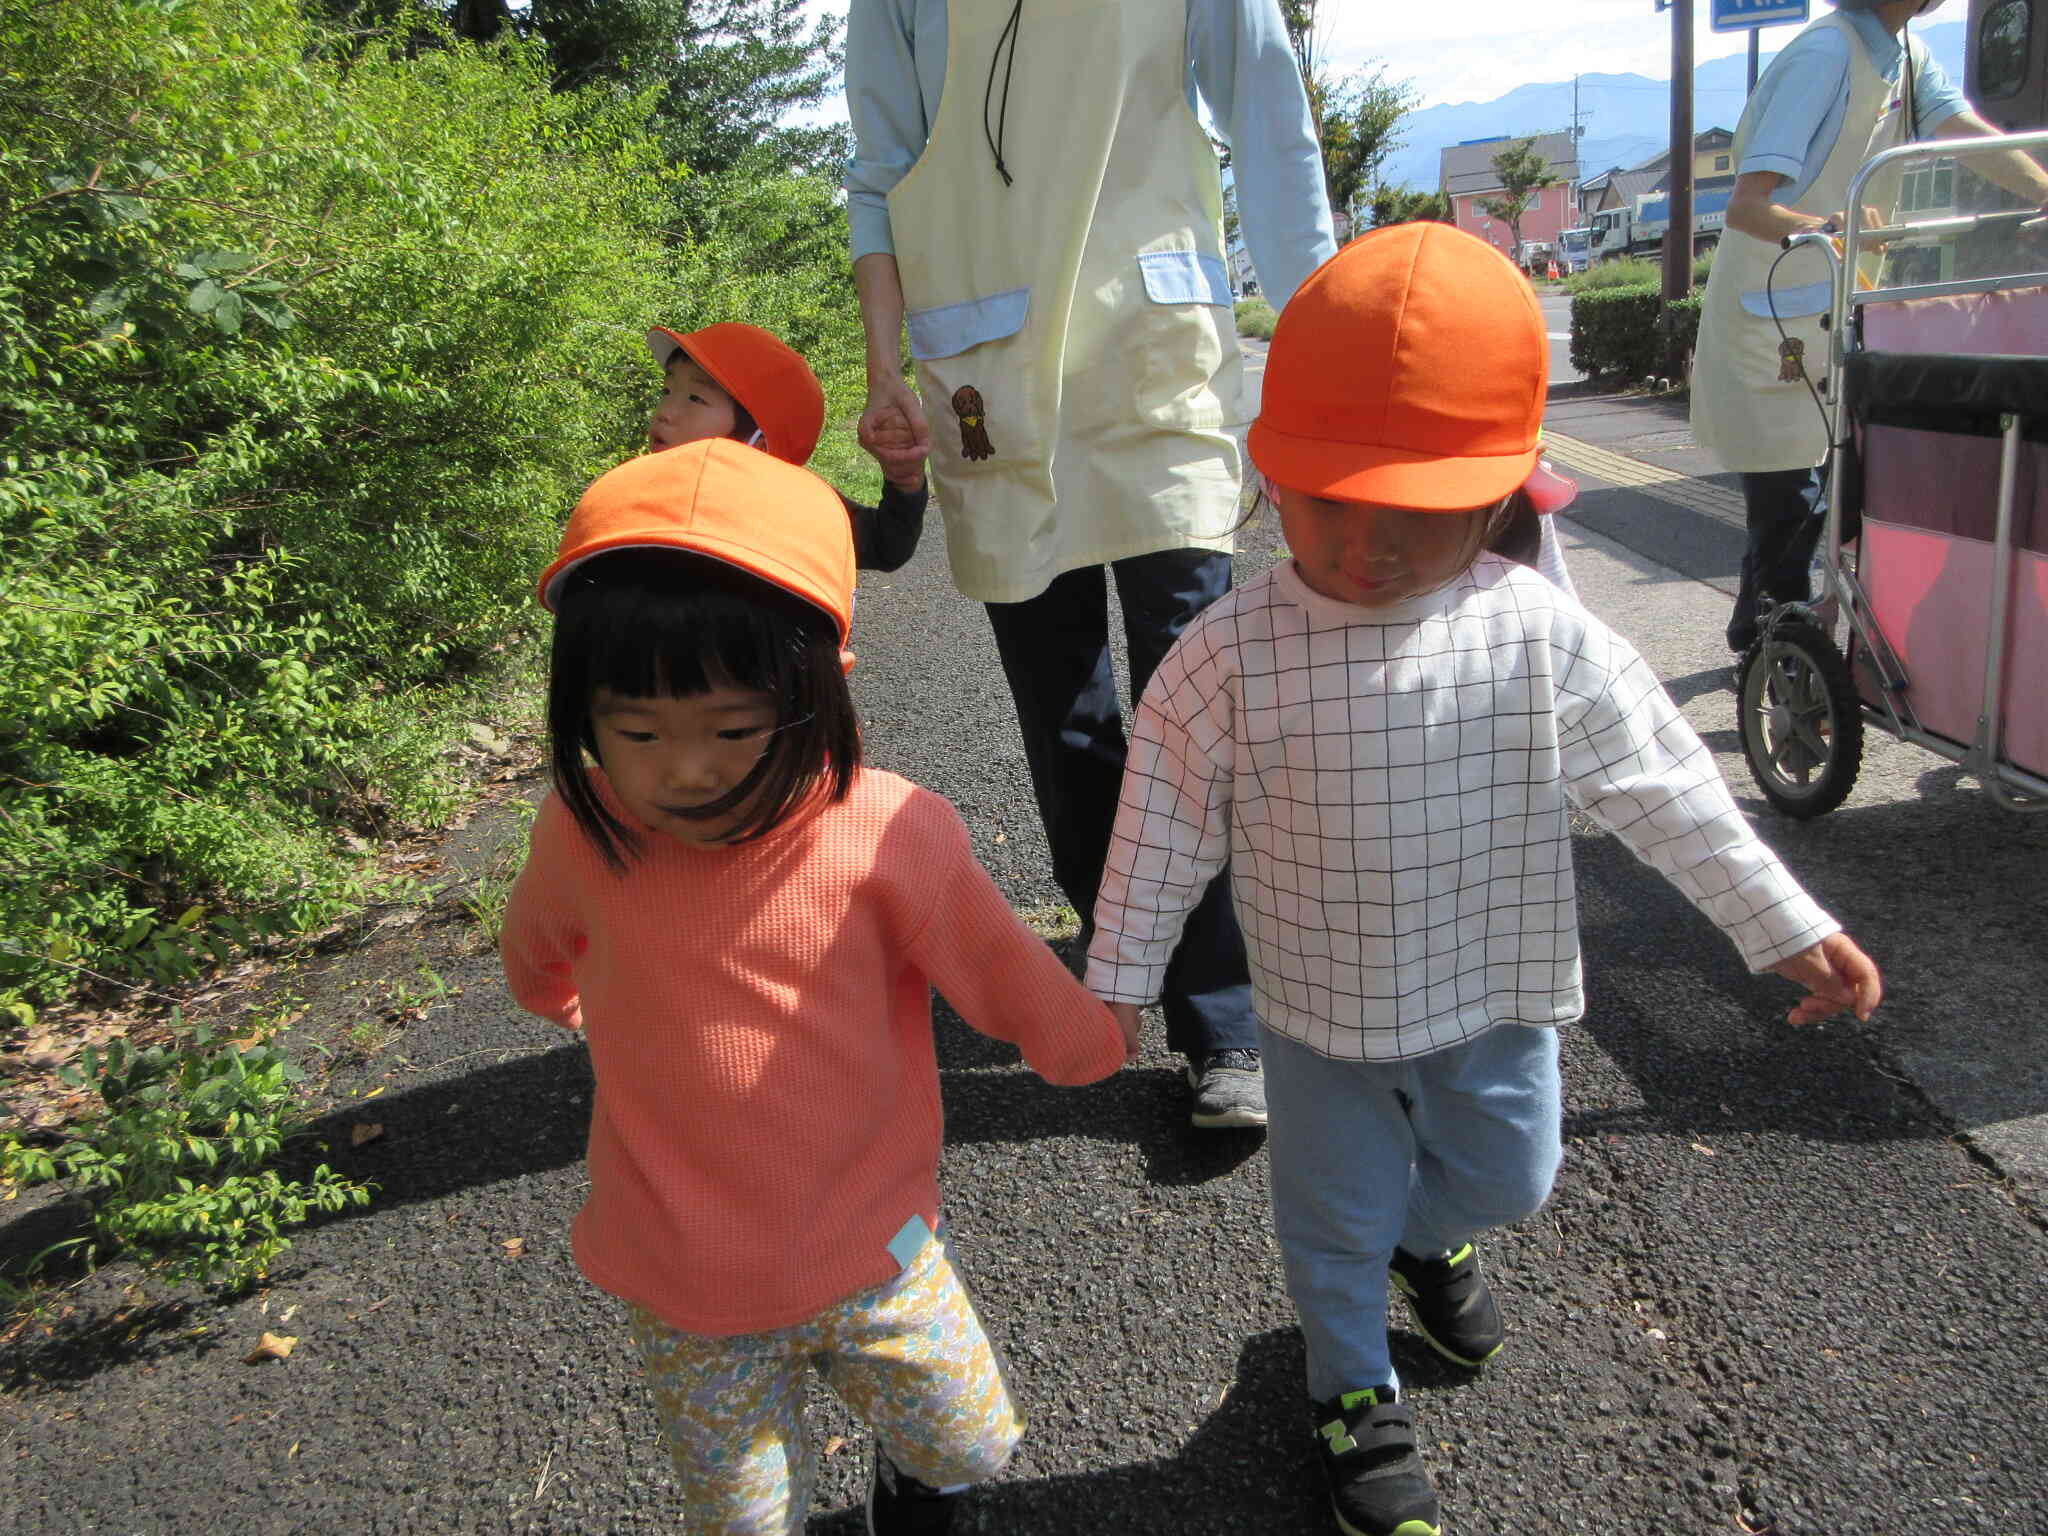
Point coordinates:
pixel 363 1132
pixel 515 1247
pixel 1703 1149
pixel 835 1445
pixel 273 1346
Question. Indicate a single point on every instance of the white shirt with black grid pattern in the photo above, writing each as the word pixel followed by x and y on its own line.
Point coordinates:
pixel 1390 786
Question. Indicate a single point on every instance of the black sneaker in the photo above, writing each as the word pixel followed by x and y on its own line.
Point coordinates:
pixel 1230 1090
pixel 1377 1485
pixel 899 1505
pixel 1453 1307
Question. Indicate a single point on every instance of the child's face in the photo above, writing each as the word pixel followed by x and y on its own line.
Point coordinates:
pixel 666 754
pixel 1371 555
pixel 693 407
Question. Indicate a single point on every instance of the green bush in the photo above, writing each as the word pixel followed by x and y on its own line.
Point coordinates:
pixel 1614 332
pixel 1678 328
pixel 175 1164
pixel 1628 272
pixel 1630 334
pixel 304 351
pixel 1255 317
pixel 1634 272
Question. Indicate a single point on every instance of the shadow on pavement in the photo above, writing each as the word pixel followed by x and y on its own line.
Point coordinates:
pixel 1250 1466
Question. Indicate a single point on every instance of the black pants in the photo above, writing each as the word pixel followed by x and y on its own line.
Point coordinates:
pixel 1784 527
pixel 1055 653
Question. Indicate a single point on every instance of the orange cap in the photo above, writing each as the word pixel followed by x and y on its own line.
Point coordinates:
pixel 1409 370
pixel 761 371
pixel 719 498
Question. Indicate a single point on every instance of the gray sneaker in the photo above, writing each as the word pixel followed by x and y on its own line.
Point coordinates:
pixel 1230 1090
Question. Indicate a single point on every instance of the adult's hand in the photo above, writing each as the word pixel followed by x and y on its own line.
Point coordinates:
pixel 893 410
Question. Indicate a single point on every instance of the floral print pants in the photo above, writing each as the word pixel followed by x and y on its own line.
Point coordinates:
pixel 909 1357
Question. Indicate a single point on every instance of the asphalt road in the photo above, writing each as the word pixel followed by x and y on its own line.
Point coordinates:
pixel 1557 324
pixel 1775 1290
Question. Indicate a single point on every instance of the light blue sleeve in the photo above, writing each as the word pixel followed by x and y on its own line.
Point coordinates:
pixel 1245 70
pixel 1796 114
pixel 1935 96
pixel 895 71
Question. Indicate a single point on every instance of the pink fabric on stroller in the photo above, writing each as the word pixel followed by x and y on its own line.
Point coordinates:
pixel 1929 505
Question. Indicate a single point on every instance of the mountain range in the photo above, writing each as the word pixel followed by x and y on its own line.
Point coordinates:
pixel 1626 118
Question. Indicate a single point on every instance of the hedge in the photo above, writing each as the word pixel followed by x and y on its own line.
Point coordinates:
pixel 1630 334
pixel 308 339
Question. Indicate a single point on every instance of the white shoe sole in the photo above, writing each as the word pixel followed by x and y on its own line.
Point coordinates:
pixel 1226 1120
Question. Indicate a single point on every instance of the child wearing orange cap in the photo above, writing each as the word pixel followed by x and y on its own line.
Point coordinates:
pixel 746 925
pixel 1383 735
pixel 736 380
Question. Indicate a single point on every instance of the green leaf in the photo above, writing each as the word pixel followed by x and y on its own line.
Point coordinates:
pixel 205 298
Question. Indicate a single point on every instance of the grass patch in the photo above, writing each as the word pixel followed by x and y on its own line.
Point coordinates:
pixel 1052 923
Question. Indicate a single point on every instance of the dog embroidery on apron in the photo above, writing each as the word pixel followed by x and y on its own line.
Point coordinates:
pixel 967 405
pixel 1791 360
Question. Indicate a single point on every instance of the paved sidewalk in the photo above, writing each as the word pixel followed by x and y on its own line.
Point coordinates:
pixel 1974 877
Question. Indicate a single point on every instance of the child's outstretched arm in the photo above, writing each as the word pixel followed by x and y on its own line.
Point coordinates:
pixel 1172 832
pixel 1000 977
pixel 1631 760
pixel 1836 975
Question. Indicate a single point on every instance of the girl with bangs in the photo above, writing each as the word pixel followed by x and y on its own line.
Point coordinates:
pixel 746 925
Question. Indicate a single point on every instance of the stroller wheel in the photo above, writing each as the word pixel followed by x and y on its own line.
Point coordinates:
pixel 1801 722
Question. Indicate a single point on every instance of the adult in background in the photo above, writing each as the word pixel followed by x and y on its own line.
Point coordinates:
pixel 1844 89
pixel 1057 254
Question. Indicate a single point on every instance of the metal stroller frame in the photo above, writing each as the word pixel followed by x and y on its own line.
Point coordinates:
pixel 1800 712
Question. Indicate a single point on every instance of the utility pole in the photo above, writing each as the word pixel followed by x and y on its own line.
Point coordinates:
pixel 1678 234
pixel 1754 34
pixel 1578 133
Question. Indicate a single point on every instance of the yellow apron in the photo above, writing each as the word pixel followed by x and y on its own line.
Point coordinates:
pixel 1072 326
pixel 1742 410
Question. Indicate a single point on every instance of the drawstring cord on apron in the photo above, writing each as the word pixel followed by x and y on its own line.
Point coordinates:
pixel 995 139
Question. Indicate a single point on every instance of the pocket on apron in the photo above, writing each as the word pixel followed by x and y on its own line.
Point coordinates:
pixel 1183 335
pixel 978 380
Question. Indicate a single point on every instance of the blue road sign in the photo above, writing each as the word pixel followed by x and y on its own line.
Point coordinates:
pixel 1743 15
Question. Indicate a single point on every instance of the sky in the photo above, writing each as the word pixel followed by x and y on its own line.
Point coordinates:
pixel 1475 50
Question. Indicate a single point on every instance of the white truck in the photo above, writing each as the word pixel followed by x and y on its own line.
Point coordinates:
pixel 1619 232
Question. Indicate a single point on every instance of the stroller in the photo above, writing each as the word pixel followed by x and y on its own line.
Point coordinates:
pixel 1938 471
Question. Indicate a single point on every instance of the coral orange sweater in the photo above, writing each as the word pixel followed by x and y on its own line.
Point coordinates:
pixel 767 1115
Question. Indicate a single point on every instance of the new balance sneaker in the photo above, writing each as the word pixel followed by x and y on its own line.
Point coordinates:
pixel 1452 1304
pixel 899 1505
pixel 1377 1484
pixel 1230 1090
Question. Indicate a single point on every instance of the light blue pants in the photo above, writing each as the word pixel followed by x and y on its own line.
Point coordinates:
pixel 1421 1154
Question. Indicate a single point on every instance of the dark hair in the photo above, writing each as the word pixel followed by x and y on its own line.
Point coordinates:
pixel 644 623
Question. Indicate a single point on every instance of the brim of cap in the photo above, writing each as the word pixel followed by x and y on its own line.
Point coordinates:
pixel 1391 477
pixel 1548 490
pixel 664 345
pixel 549 588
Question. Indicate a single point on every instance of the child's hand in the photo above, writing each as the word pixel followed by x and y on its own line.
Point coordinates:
pixel 897 440
pixel 1836 975
pixel 1127 1021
